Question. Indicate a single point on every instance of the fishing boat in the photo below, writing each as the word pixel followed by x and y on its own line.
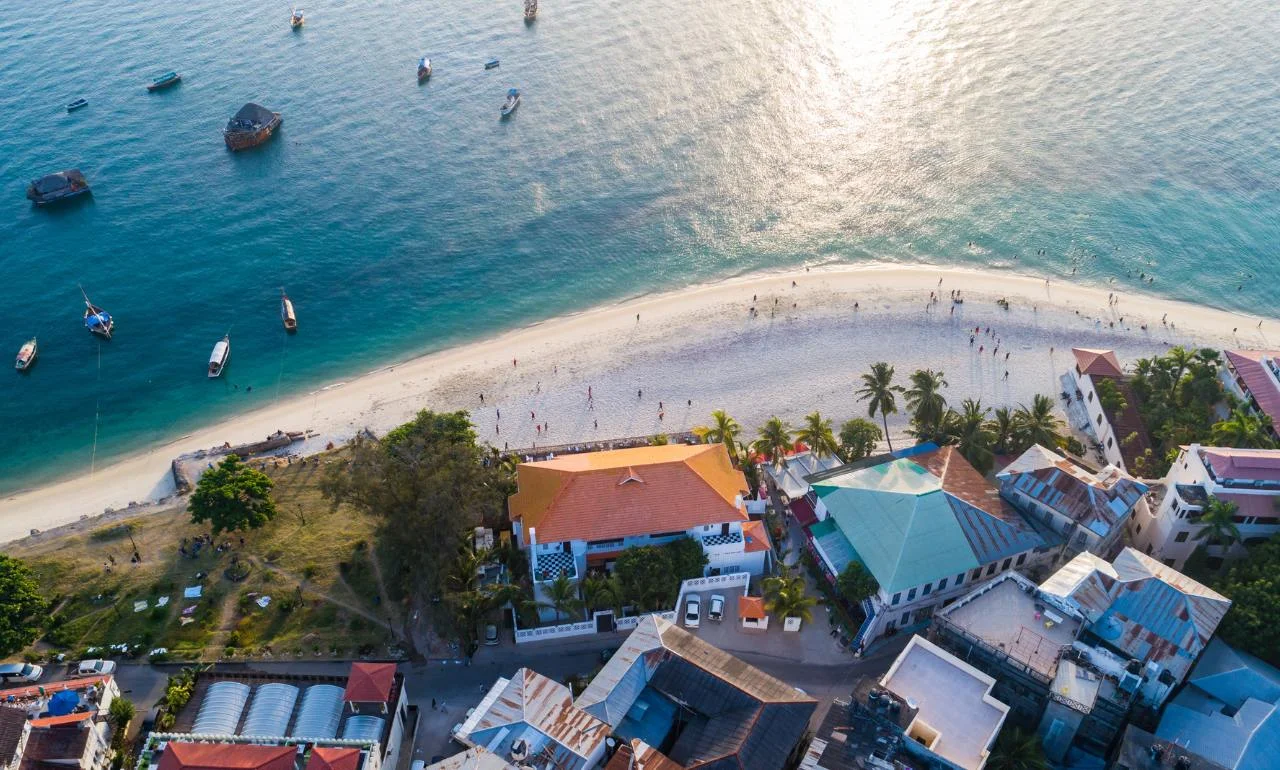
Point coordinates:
pixel 424 69
pixel 296 19
pixel 26 355
pixel 218 358
pixel 491 64
pixel 77 104
pixel 164 81
pixel 250 127
pixel 530 10
pixel 56 187
pixel 97 320
pixel 286 313
pixel 513 101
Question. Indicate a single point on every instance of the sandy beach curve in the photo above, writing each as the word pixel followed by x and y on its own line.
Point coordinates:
pixel 661 363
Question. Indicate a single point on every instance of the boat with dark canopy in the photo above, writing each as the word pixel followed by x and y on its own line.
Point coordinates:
pixel 56 187
pixel 97 320
pixel 164 81
pixel 250 127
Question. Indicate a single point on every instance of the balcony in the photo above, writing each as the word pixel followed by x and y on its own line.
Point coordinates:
pixel 550 566
pixel 728 543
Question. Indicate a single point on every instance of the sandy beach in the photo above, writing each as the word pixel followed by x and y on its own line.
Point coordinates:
pixel 661 363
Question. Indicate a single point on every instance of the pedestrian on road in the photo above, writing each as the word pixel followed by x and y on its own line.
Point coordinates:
pixel 433 704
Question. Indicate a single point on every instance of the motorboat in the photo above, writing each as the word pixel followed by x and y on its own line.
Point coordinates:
pixel 26 355
pixel 77 104
pixel 55 187
pixel 513 101
pixel 491 64
pixel 296 19
pixel 530 10
pixel 287 316
pixel 218 358
pixel 424 69
pixel 97 320
pixel 164 81
pixel 250 127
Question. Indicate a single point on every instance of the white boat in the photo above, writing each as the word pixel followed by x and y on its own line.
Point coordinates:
pixel 287 316
pixel 424 69
pixel 26 356
pixel 218 358
pixel 296 19
pixel 513 101
pixel 530 10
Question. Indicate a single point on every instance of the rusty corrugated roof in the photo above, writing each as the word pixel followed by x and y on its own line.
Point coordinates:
pixel 546 705
pixel 1098 502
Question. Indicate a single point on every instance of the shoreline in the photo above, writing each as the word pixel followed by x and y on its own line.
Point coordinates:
pixel 679 336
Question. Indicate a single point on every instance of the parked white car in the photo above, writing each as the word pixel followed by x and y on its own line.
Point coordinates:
pixel 20 673
pixel 693 611
pixel 96 667
pixel 716 610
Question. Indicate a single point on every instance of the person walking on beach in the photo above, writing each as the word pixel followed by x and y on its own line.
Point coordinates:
pixel 513 362
pixel 532 416
pixel 482 398
pixel 588 392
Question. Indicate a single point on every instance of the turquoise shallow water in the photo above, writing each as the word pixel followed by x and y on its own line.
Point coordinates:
pixel 658 145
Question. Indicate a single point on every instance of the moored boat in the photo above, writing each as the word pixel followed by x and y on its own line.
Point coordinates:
pixel 530 10
pixel 56 187
pixel 287 316
pixel 26 355
pixel 97 320
pixel 77 104
pixel 513 101
pixel 218 358
pixel 491 64
pixel 164 81
pixel 424 69
pixel 296 19
pixel 250 127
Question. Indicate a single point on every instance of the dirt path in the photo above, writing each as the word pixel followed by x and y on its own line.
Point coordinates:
pixel 226 623
pixel 362 612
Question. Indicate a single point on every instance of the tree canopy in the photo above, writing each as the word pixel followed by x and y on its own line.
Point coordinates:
pixel 858 439
pixel 816 434
pixel 880 394
pixel 22 607
pixel 1253 586
pixel 722 430
pixel 856 583
pixel 428 483
pixel 232 496
pixel 1176 395
pixel 650 575
pixel 774 440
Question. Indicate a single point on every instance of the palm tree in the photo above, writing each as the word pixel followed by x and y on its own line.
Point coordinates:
pixel 1243 429
pixel 785 597
pixel 774 441
pixel 1036 425
pixel 602 593
pixel 880 393
pixel 972 435
pixel 722 430
pixel 1016 749
pixel 467 569
pixel 1002 429
pixel 925 400
pixel 1217 527
pixel 563 594
pixel 817 435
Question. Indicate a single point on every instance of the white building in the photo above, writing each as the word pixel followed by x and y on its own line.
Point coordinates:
pixel 1119 434
pixel 1249 478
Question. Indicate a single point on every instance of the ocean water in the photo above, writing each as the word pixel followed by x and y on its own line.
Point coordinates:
pixel 659 144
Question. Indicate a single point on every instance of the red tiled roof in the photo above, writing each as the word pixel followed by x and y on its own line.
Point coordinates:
pixel 65 719
pixel 369 683
pixel 803 512
pixel 1251 369
pixel 334 758
pixel 1243 464
pixel 751 607
pixel 1103 362
pixel 757 539
pixel 628 492
pixel 226 756
pixel 1262 506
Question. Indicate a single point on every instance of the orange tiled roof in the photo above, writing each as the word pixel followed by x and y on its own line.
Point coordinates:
pixel 1102 362
pixel 628 492
pixel 333 758
pixel 65 719
pixel 751 607
pixel 369 682
pixel 226 756
pixel 754 533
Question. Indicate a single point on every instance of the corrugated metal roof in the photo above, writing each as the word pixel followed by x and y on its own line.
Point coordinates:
pixel 1099 502
pixel 1243 464
pixel 271 710
pixel 546 705
pixel 221 708
pixel 1252 369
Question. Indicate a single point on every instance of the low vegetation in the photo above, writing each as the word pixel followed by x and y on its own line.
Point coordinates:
pixel 1253 586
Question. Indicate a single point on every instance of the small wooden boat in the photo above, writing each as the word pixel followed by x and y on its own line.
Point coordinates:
pixel 26 355
pixel 492 63
pixel 424 69
pixel 250 127
pixel 513 101
pixel 97 320
pixel 296 19
pixel 164 81
pixel 77 104
pixel 287 316
pixel 530 10
pixel 218 358
pixel 56 187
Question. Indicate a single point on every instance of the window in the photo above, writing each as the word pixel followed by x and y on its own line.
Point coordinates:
pixel 1091 397
pixel 1006 564
pixel 897 597
pixel 1021 558
pixel 928 588
pixel 1168 562
pixel 1137 530
pixel 906 618
pixel 660 535
pixel 977 573
pixel 1110 441
pixel 891 625
pixel 942 584
pixel 1099 420
pixel 911 597
pixel 991 570
pixel 1181 537
pixel 960 578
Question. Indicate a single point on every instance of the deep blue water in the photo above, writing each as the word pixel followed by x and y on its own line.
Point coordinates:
pixel 659 144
